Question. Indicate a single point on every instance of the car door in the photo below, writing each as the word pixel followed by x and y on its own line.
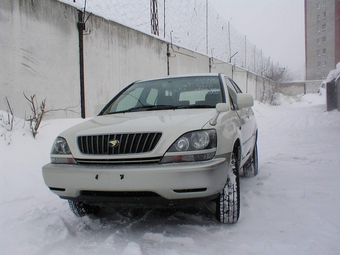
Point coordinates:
pixel 247 118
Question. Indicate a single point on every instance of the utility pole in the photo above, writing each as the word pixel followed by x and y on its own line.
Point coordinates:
pixel 207 28
pixel 245 52
pixel 164 19
pixel 81 29
pixel 154 17
pixel 229 40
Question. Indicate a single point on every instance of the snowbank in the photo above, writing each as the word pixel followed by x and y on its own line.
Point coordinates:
pixel 333 74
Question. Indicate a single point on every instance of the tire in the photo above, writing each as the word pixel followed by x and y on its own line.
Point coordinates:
pixel 251 168
pixel 228 201
pixel 81 209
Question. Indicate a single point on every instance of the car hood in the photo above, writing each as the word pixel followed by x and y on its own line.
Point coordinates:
pixel 171 123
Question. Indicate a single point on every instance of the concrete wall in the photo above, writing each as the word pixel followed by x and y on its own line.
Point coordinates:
pixel 115 56
pixel 292 89
pixel 313 86
pixel 302 87
pixel 39 55
pixel 218 66
pixel 183 61
pixel 251 84
pixel 39 50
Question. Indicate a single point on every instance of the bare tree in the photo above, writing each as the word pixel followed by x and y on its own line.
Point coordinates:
pixel 10 117
pixel 38 112
pixel 277 74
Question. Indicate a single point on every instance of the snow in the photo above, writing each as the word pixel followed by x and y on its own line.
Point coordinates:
pixel 291 207
pixel 333 74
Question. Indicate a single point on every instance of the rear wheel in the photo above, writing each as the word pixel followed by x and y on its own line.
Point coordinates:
pixel 251 168
pixel 81 209
pixel 228 201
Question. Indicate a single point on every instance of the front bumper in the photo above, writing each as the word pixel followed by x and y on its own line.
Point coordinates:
pixel 173 181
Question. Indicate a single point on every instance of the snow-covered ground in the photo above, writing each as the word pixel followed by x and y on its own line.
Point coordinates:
pixel 291 207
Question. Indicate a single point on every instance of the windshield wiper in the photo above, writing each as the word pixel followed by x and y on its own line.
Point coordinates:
pixel 194 106
pixel 135 109
pixel 147 108
pixel 174 107
pixel 162 107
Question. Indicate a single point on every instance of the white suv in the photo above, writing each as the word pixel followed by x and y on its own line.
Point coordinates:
pixel 171 141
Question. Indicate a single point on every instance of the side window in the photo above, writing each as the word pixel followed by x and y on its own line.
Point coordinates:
pixel 232 94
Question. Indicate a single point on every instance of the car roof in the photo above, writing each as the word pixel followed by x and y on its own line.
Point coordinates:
pixel 183 76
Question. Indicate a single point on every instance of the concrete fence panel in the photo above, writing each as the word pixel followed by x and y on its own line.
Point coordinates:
pixel 115 56
pixel 184 61
pixel 40 54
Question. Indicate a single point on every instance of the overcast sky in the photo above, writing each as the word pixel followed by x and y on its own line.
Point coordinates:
pixel 275 26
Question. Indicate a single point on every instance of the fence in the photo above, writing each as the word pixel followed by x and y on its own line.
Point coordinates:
pixel 40 50
pixel 192 24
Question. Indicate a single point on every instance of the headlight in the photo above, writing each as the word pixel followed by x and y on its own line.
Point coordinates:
pixel 196 140
pixel 200 140
pixel 61 153
pixel 182 144
pixel 193 146
pixel 60 146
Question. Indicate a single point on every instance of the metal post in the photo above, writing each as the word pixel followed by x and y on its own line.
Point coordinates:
pixel 81 28
pixel 168 58
pixel 245 51
pixel 207 28
pixel 164 19
pixel 229 41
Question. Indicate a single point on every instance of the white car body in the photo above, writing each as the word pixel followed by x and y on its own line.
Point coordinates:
pixel 142 178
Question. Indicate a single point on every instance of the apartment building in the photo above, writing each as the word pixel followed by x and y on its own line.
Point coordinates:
pixel 322 37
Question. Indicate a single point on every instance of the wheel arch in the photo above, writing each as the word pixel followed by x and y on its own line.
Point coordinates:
pixel 237 149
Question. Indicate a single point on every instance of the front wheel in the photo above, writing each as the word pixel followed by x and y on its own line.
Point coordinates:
pixel 81 209
pixel 228 201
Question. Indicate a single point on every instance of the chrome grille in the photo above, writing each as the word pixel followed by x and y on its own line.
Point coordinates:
pixel 119 161
pixel 127 143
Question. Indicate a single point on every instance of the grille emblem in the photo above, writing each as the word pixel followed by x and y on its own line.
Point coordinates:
pixel 113 143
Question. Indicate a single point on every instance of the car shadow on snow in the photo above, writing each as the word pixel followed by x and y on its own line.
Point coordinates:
pixel 144 219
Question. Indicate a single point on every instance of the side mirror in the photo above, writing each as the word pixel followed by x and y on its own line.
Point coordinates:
pixel 220 107
pixel 244 100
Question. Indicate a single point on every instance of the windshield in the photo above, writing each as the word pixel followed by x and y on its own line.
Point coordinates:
pixel 168 93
